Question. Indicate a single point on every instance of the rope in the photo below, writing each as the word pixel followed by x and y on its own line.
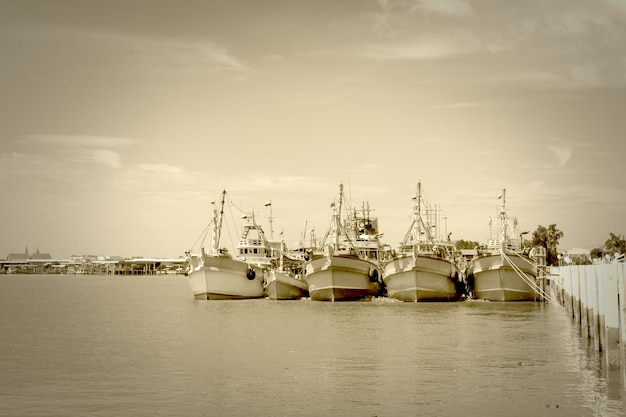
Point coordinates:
pixel 531 283
pixel 202 236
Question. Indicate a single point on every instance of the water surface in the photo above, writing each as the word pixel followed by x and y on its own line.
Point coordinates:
pixel 113 346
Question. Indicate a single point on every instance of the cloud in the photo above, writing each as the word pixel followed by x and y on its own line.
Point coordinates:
pixel 454 8
pixel 186 55
pixel 79 141
pixel 422 48
pixel 474 105
pixel 160 168
pixel 563 154
pixel 107 158
pixel 274 58
pixel 127 50
pixel 81 149
pixel 567 45
pixel 212 55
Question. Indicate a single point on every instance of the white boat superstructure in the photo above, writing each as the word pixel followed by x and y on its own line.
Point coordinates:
pixel 340 270
pixel 215 274
pixel 501 271
pixel 423 269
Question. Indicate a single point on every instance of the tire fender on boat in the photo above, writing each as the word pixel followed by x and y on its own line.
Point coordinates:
pixel 251 274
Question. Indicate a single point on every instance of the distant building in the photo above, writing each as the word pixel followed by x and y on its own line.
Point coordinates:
pixel 38 255
pixel 26 256
pixel 576 256
pixel 19 256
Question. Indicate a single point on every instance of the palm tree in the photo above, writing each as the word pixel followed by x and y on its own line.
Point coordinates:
pixel 615 244
pixel 548 238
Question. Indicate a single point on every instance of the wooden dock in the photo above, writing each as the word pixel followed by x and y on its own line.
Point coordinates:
pixel 595 296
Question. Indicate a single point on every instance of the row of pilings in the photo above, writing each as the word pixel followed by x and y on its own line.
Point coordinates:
pixel 595 296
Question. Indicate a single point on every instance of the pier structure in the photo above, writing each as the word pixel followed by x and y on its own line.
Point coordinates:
pixel 595 296
pixel 95 266
pixel 147 266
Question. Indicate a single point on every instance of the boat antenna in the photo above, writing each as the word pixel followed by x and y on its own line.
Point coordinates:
pixel 271 218
pixel 302 239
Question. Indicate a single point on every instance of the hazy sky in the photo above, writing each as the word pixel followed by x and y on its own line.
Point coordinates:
pixel 122 120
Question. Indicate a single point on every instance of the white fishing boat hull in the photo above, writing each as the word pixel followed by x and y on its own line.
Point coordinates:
pixel 220 277
pixel 421 278
pixel 495 279
pixel 341 278
pixel 282 286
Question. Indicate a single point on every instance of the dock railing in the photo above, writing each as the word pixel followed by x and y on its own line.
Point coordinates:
pixel 595 296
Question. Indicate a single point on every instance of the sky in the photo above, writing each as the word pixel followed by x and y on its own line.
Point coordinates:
pixel 121 121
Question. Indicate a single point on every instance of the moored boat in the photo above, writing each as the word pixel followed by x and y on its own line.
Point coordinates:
pixel 285 284
pixel 501 271
pixel 284 279
pixel 423 268
pixel 214 274
pixel 281 269
pixel 340 271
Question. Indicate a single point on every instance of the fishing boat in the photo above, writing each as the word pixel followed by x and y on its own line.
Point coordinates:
pixel 423 267
pixel 339 270
pixel 284 275
pixel 214 273
pixel 285 280
pixel 500 271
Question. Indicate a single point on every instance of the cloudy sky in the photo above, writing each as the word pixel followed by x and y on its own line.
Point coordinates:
pixel 123 120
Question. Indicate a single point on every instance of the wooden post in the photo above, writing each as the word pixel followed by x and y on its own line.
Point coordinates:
pixel 592 305
pixel 601 330
pixel 621 290
pixel 568 298
pixel 584 318
pixel 612 316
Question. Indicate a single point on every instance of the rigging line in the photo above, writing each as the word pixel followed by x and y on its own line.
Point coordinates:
pixel 232 204
pixel 202 236
pixel 234 224
pixel 530 282
pixel 323 241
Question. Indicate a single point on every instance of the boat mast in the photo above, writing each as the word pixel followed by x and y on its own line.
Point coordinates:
pixel 503 222
pixel 414 234
pixel 217 222
pixel 337 214
pixel 418 212
pixel 426 227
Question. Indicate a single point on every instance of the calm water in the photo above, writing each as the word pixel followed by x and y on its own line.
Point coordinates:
pixel 139 346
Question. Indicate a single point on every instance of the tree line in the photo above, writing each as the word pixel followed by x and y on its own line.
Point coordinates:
pixel 548 237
